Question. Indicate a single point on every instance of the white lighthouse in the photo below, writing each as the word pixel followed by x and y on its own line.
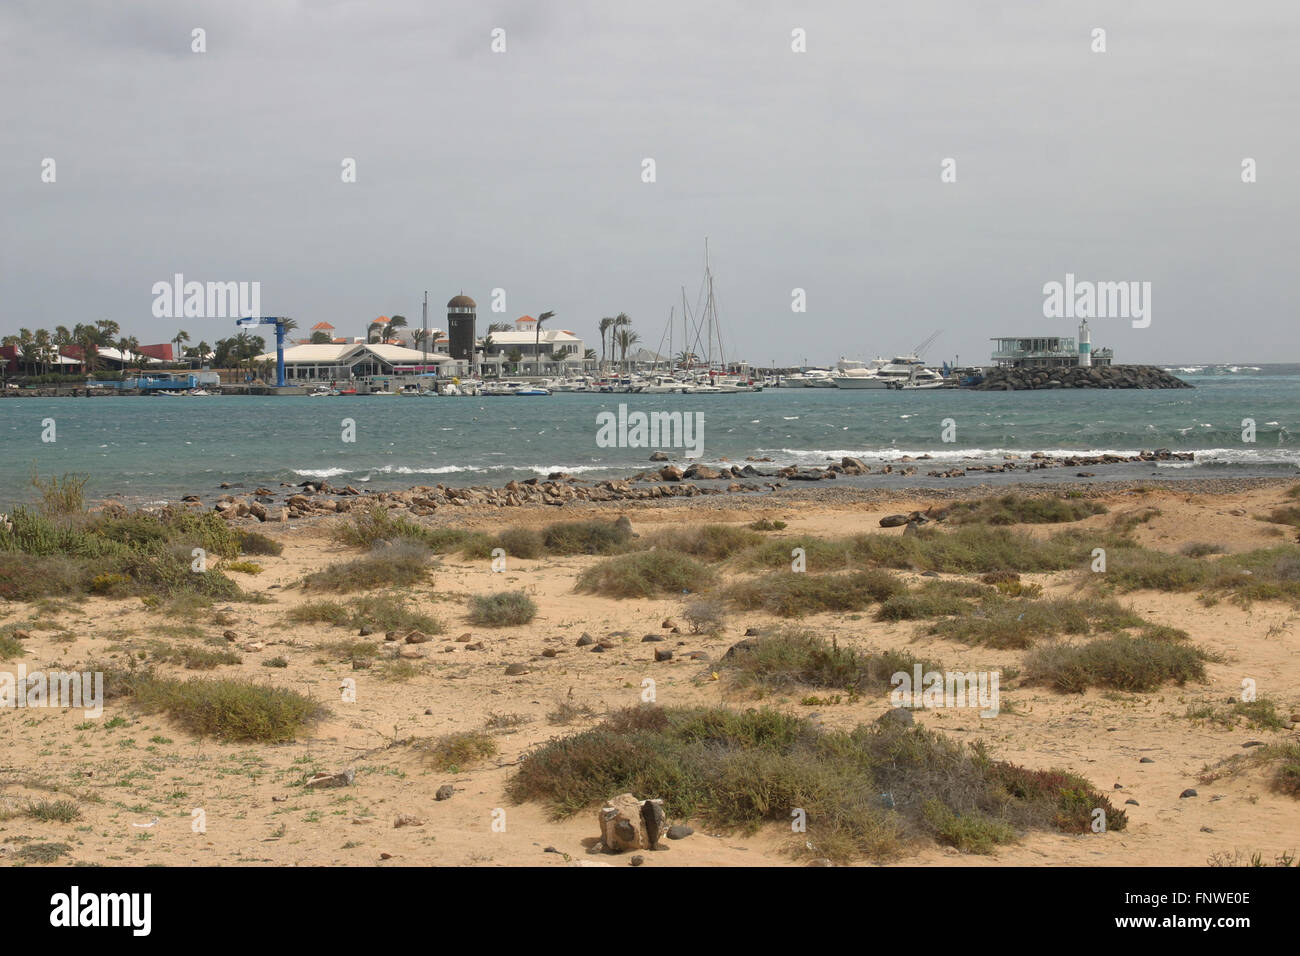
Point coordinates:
pixel 1085 345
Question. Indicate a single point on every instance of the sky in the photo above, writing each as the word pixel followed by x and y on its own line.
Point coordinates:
pixel 523 170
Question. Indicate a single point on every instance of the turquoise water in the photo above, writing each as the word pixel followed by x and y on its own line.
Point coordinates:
pixel 152 448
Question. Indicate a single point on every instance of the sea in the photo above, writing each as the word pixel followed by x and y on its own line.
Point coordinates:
pixel 152 449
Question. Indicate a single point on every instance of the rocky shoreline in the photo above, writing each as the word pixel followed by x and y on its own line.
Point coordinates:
pixel 1096 376
pixel 311 498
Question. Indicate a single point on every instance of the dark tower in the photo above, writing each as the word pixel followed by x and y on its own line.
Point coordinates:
pixel 460 329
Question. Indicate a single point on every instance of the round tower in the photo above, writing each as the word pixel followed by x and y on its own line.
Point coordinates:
pixel 460 329
pixel 1085 345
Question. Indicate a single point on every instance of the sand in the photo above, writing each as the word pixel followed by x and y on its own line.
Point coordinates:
pixel 126 770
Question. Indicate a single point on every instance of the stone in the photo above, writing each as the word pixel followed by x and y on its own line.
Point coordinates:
pixel 679 831
pixel 445 792
pixel 627 823
pixel 417 637
pixel 659 456
pixel 406 820
pixel 897 717
pixel 585 640
pixel 637 860
pixel 663 654
pixel 1189 792
pixel 230 635
pixel 1146 760
pixel 1131 802
pixel 893 521
pixel 651 638
pixel 515 670
pixel 343 778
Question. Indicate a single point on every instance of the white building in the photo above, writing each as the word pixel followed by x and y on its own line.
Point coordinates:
pixel 560 350
pixel 340 363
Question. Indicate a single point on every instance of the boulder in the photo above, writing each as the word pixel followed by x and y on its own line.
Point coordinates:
pixel 627 823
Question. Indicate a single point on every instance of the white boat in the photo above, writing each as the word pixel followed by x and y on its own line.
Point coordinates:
pixel 664 385
pixel 903 371
pixel 808 378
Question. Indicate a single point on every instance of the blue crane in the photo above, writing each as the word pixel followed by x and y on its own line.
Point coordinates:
pixel 278 321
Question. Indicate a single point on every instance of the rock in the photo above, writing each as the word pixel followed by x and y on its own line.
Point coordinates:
pixel 1131 802
pixel 598 649
pixel 1146 760
pixel 636 860
pixel 751 632
pixel 663 654
pixel 418 637
pixel 893 521
pixel 585 640
pixel 465 638
pixel 515 670
pixel 1253 743
pixel 627 823
pixel 897 717
pixel 679 831
pixel 445 792
pixel 670 473
pixel 659 456
pixel 406 820
pixel 343 778
pixel 365 631
pixel 651 638
pixel 230 635
pixel 667 623
pixel 1189 792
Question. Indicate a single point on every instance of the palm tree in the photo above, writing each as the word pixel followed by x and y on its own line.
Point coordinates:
pixel 86 338
pixel 107 328
pixel 181 336
pixel 372 329
pixel 685 359
pixel 605 325
pixel 537 338
pixel 499 327
pixel 62 339
pixel 42 340
pixel 395 323
pixel 203 349
pixel 626 338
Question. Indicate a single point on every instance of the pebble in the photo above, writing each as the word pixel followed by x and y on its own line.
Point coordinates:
pixel 444 792
pixel 636 860
pixel 1189 792
pixel 651 638
pixel 1132 803
pixel 1146 760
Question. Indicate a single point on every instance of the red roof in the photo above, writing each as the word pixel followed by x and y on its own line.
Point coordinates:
pixel 525 318
pixel 321 326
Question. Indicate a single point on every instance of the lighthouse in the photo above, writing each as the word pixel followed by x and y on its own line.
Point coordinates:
pixel 1085 345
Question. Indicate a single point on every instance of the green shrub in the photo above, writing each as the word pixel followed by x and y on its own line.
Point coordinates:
pixel 1120 662
pixel 229 709
pixel 454 752
pixel 389 565
pixel 710 542
pixel 792 594
pixel 507 609
pixel 791 658
pixel 1022 509
pixel 254 542
pixel 647 574
pixel 587 537
pixel 870 791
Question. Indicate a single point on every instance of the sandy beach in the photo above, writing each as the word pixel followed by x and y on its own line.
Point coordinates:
pixel 137 778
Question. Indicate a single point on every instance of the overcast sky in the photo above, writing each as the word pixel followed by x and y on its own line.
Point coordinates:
pixel 523 170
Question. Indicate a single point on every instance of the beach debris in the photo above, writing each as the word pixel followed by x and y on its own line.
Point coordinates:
pixel 146 826
pixel 342 778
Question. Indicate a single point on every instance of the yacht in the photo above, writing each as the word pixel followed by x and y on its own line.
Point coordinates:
pixel 808 378
pixel 902 371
